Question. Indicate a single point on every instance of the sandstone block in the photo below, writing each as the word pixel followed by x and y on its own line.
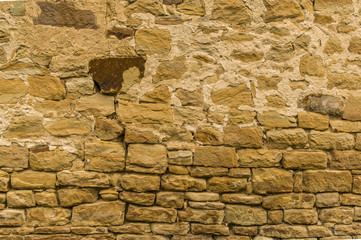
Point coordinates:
pixel 209 136
pixel 108 129
pixel 143 199
pixel 289 201
pixel 245 215
pixel 352 108
pixel 170 199
pixel 312 66
pixel 202 196
pixel 284 231
pixel 333 45
pixel 247 137
pixel 201 216
pixel 353 229
pixel 259 158
pixel 301 216
pixel 206 205
pixel 46 199
pixel 304 160
pixel 151 214
pixel 12 218
pixel 222 230
pixel 4 181
pixel 12 90
pixel 25 127
pixel 33 180
pixel 344 160
pixel 170 229
pixel 355 45
pixel 319 231
pixel 324 104
pixel 248 231
pixel 82 179
pixel 328 141
pixel 47 87
pixel 350 199
pixel 275 217
pixel 326 181
pixel 280 10
pixel 172 69
pixel 42 159
pixel 96 105
pixel 14 156
pixel 280 52
pixel 225 184
pixel 136 228
pixel 232 96
pixel 138 135
pixel 161 94
pixel 69 126
pixel 313 120
pixel 232 12
pixel 356 184
pixel 295 138
pixel 327 200
pixel 272 180
pixel 182 183
pixel 152 41
pixel 41 216
pixel 272 119
pixel 192 7
pixel 139 183
pixel 141 237
pixel 334 6
pixel 215 156
pixel 343 81
pixel 343 215
pixel 74 196
pixel 20 199
pixel 241 198
pixel 345 126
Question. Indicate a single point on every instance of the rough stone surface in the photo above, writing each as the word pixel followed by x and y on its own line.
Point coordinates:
pixel 42 159
pixel 272 180
pixel 12 91
pixel 146 158
pixel 289 201
pixel 245 215
pixel 46 87
pixel 151 214
pixel 295 138
pixel 304 160
pixel 326 180
pixel 215 157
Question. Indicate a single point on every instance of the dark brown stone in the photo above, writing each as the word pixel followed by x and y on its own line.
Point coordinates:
pixel 324 104
pixel 170 2
pixel 64 15
pixel 120 33
pixel 108 72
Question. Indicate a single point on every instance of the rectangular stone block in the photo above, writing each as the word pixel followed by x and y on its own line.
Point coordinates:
pixel 343 215
pixel 293 137
pixel 345 126
pixel 304 160
pixel 14 156
pixel 226 184
pixel 12 218
pixel 259 158
pixel 272 180
pixel 345 160
pixel 41 216
pixel 326 181
pixel 170 229
pixel 312 120
pixel 301 216
pixel 20 199
pixel 215 156
pixel 284 231
pixel 241 198
pixel 69 197
pixel 139 182
pixel 83 179
pixel 201 216
pixel 327 200
pixel 182 183
pixel 247 137
pixel 222 230
pixel 151 214
pixel 245 215
pixel 42 159
pixel 32 180
pixel 289 200
pixel 349 199
pixel 330 141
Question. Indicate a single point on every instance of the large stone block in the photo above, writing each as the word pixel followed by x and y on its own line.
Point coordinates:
pixel 201 216
pixel 301 216
pixel 152 41
pixel 20 199
pixel 343 215
pixel 139 183
pixel 41 216
pixel 151 214
pixel 233 12
pixel 280 10
pixel 215 156
pixel 289 201
pixel 326 181
pixel 82 179
pixel 226 184
pixel 284 231
pixel 295 138
pixel 69 197
pixel 272 180
pixel 305 160
pixel 245 215
pixel 247 137
pixel 12 218
pixel 259 158
pixel 13 156
pixel 33 180
pixel 329 141
pixel 182 183
pixel 345 160
pixel 12 90
pixel 42 159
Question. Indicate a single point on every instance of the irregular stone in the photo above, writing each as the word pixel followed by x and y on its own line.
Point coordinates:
pixel 73 196
pixel 176 134
pixel 83 85
pixel 328 141
pixel 192 7
pixel 32 180
pixel 170 199
pixel 232 96
pixel 99 214
pixel 108 73
pixel 259 158
pixel 272 119
pixel 208 171
pixel 301 216
pixel 141 237
pixel 289 201
pixel 12 218
pixel 210 229
pixel 189 115
pixel 65 15
pixel 356 184
pixel 241 199
pixel 343 215
pixel 353 229
pixel 140 183
pixel 327 200
pixel 101 156
pixel 201 196
pixel 304 160
pixel 215 156
pixel 247 57
pixel 246 137
pixel 108 129
pixel 12 90
pixel 280 10
pixel 201 216
pixel 319 231
pixel 47 87
pixel 171 69
pixel 46 199
pixel 312 66
pixel 239 172
pixel 146 158
pixel 69 126
pixel 323 104
pixel 4 182
pixel 190 98
pixel 152 41
pixel 333 45
pixel 41 216
pixel 352 108
pixel 323 19
pixel 295 138
pixel 42 159
pixel 158 95
pixel 52 230
pixel 334 6
pixel 170 229
pixel 275 101
pixel 245 215
pixel 144 199
pixel 284 231
pixel 182 183
pixel 272 180
pixel 236 117
pixel 248 231
pixel 326 181
pixel 16 68
pixel 82 179
pixel 25 127
pixel 343 81
pixel 13 156
pixel 232 12
pixel 4 36
pixel 54 108
pixel 355 45
pixel 313 120
pixel 97 105
pixel 171 2
pixel 151 214
pixel 139 135
pixel 120 32
pixel 20 199
pixel 137 228
pixel 280 53
pixel 208 136
pixel 225 184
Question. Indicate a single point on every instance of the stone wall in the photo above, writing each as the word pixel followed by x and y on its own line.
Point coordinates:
pixel 180 119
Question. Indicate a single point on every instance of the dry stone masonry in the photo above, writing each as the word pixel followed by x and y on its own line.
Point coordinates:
pixel 180 119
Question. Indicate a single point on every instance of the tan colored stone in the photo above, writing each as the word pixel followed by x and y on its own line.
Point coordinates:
pixel 140 135
pixel 54 108
pixel 32 180
pixel 201 216
pixel 181 157
pixel 146 158
pixel 41 216
pixel 275 217
pixel 272 119
pixel 206 205
pixel 326 181
pixel 25 127
pixel 334 6
pixel 208 136
pixel 190 98
pixel 151 214
pixel 42 159
pixel 329 141
pixel 158 95
pixel 319 231
pixel 353 229
pixel 83 85
pixel 137 228
pixel 140 183
pixel 208 171
pixel 356 184
pixel 170 199
pixel 201 196
pixel 171 69
pixel 312 66
pixel 20 199
pixel 12 91
pixel 69 197
pixel 289 201
pixel 245 215
pixel 181 170
pixel 192 7
pixel 210 229
pixel 170 229
pixel 280 53
pixel 225 184
pixel 247 57
pixel 301 216
pixel 47 87
pixel 144 113
pixel 345 126
pixel 342 215
pixel 239 172
pixel 272 180
pixel 4 181
pixel 52 230
pixel 13 156
pixel 82 179
pixel 259 158
pixel 189 115
pixel 357 213
pixel 295 138
pixel 304 160
pixel 108 129
pixel 352 108
pixel 145 6
pixel 355 45
pixel 232 96
pixel 13 218
pixel 248 231
pixel 182 183
pixel 241 198
pixel 275 101
pixel 97 105
pixel 247 137
pixel 234 12
pixel 284 231
pixel 99 214
pixel 152 41
pixel 343 81
pixel 327 200
pixel 333 45
pixel 16 68
pixel 215 156
pixel 141 237
pixel 143 199
pixel 280 10
pixel 236 117
pixel 69 126
pixel 345 160
pixel 46 199
pixel 313 120
pixel 109 194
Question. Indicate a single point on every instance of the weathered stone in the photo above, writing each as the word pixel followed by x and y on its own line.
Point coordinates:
pixel 239 172
pixel 247 137
pixel 319 231
pixel 275 217
pixel 145 6
pixel 304 160
pixel 232 96
pixel 20 199
pixel 201 196
pixel 280 53
pixel 247 57
pixel 120 32
pixel 108 73
pixel 104 156
pixel 152 41
pixel 46 199
pixel 245 231
pixel 206 205
pixel 312 66
pixel 295 138
pixel 109 194
pixel 82 179
pixel 327 200
pixel 245 215
pixel 201 216
pixel 323 19
pixel 358 142
pixel 140 135
pixel 328 141
pixel 144 113
pixel 4 182
pixel 236 117
pixel 16 68
pixel 232 12
pixel 12 91
pixel 215 157
pixel 52 230
pixel 356 184
pixel 333 45
pixel 349 199
pixel 143 199
pixel 25 127
pixel 99 214
pixel 108 129
pixel 42 159
pixel 272 180
pixel 342 215
pixel 83 85
pixel 181 170
pixel 171 2
pixel 313 120
pixel 324 104
pixel 326 181
pixel 41 216
pixel 272 119
pixel 280 10
pixel 345 160
pixel 12 218
pixel 69 126
pixel 146 158
pixel 141 237
pixel 241 199
pixel 189 115
pixel 225 184
pixel 334 6
pixel 170 199
pixel 171 69
pixel 18 9
pixel 343 81
pixel 13 156
pixel 275 101
pixel 170 229
pixel 97 105
pixel 47 87
pixel 140 183
pixel 259 158
pixel 65 15
pixel 208 171
pixel 73 196
pixel 192 7
pixel 345 126
pixel 208 136
pixel 355 45
pixel 137 228
pixel 301 216
pixel 158 95
pixel 151 214
pixel 289 201
pixel 33 180
pixel 353 229
pixel 210 229
pixel 284 231
pixel 352 108
pixel 182 183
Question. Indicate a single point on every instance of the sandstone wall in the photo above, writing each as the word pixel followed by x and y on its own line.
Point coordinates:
pixel 180 119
